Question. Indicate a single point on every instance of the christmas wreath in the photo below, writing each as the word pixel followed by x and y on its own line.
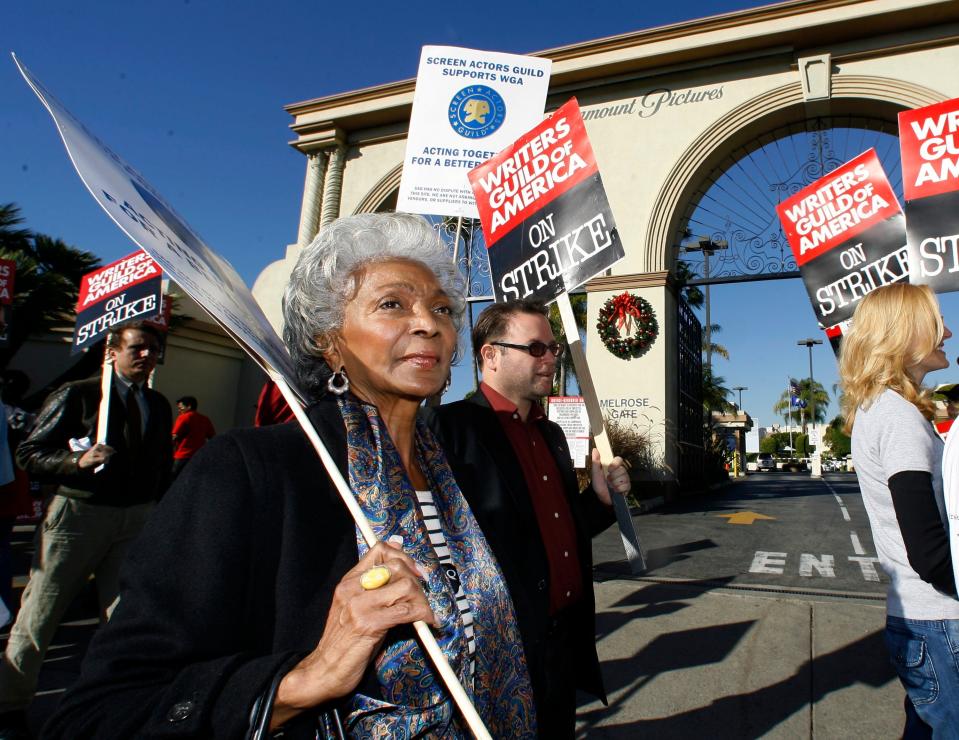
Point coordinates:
pixel 627 326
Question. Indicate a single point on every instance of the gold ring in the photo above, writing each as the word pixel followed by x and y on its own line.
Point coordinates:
pixel 375 577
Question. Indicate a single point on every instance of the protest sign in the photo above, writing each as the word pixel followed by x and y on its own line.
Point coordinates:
pixel 544 211
pixel 8 273
pixel 129 289
pixel 549 229
pixel 929 143
pixel 834 335
pixel 847 234
pixel 571 415
pixel 143 214
pixel 467 106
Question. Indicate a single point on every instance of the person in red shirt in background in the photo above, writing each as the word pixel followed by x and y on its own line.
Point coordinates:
pixel 950 395
pixel 191 430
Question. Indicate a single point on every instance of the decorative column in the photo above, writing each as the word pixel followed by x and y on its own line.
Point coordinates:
pixel 333 186
pixel 312 198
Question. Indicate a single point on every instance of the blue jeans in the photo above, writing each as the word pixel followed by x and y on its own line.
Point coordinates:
pixel 925 654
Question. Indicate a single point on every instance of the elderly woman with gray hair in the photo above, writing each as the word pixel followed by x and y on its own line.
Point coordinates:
pixel 251 597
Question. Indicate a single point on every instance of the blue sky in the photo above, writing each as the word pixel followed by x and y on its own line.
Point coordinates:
pixel 192 93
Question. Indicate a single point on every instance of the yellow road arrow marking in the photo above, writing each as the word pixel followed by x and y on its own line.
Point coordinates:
pixel 744 517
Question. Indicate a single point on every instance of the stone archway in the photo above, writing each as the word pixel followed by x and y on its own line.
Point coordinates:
pixel 382 196
pixel 879 97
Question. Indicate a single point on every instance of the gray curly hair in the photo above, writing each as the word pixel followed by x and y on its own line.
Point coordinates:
pixel 324 280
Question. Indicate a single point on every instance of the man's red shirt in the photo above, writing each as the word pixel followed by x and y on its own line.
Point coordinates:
pixel 545 484
pixel 191 430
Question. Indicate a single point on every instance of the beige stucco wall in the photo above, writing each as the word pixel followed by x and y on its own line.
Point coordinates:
pixel 365 165
pixel 641 392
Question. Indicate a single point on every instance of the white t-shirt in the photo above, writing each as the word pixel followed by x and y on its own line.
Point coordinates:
pixel 950 485
pixel 890 437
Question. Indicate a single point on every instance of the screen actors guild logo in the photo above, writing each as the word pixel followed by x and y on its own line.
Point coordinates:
pixel 476 111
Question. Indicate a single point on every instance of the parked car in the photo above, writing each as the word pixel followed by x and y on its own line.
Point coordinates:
pixel 765 461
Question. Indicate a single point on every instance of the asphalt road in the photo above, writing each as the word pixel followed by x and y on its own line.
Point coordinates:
pixel 771 529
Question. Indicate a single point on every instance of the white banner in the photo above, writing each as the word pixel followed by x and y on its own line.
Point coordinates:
pixel 468 105
pixel 142 213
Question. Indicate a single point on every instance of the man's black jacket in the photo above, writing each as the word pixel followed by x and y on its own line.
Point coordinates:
pixel 489 474
pixel 71 412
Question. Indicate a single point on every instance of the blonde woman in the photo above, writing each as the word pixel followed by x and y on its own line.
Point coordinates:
pixel 896 339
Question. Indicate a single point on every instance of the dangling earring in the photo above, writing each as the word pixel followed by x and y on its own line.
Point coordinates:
pixel 449 382
pixel 338 383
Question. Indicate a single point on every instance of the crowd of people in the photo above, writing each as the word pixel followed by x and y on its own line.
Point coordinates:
pixel 249 607
pixel 248 600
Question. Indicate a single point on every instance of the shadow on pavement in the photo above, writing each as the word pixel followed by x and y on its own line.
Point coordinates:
pixel 750 714
pixel 653 601
pixel 656 558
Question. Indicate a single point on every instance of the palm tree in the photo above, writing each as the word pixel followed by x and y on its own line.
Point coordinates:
pixel 696 298
pixel 692 293
pixel 715 394
pixel 12 238
pixel 565 368
pixel 712 347
pixel 807 392
pixel 47 281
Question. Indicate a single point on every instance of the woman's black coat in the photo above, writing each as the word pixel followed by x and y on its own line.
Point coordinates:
pixel 230 582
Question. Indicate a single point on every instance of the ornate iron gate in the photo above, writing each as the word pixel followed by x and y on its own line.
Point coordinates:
pixel 689 427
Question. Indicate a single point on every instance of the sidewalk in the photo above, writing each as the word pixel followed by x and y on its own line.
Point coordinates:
pixel 694 660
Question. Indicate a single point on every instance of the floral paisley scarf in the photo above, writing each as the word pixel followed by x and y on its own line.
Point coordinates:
pixel 415 702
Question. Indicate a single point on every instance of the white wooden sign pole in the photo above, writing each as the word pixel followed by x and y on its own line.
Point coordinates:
pixel 634 551
pixel 103 417
pixel 422 629
pixel 106 384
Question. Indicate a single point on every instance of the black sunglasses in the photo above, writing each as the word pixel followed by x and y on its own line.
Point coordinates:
pixel 536 349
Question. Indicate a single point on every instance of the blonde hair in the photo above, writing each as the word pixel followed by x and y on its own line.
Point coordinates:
pixel 893 329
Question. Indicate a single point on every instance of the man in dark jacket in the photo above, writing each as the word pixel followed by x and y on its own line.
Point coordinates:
pixel 105 493
pixel 514 467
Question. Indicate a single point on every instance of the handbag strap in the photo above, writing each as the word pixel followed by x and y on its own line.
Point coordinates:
pixel 263 710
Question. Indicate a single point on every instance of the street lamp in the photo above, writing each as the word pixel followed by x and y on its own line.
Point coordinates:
pixel 740 388
pixel 809 342
pixel 708 247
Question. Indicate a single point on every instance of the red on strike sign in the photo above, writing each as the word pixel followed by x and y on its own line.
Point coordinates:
pixel 929 141
pixel 8 271
pixel 846 231
pixel 837 207
pixel 538 167
pixel 544 211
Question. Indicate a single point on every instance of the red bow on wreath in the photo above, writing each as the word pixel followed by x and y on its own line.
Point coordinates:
pixel 624 311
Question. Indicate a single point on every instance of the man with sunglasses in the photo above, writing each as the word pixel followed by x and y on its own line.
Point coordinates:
pixel 514 467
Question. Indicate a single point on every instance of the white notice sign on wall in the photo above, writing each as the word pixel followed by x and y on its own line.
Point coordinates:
pixel 570 413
